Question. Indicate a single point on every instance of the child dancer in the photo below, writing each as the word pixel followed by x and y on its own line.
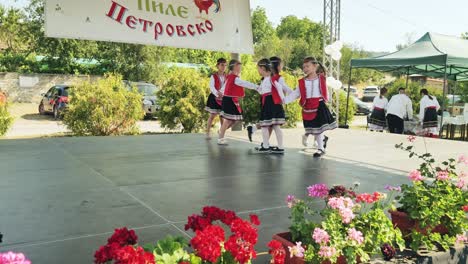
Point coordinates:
pixel 312 91
pixel 428 114
pixel 233 90
pixel 213 105
pixel 377 120
pixel 272 113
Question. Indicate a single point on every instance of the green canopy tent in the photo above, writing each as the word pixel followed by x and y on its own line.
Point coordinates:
pixel 433 55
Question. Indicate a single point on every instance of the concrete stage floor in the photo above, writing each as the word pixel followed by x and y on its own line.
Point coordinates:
pixel 62 197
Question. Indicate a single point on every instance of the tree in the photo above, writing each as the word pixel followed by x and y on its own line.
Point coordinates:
pixel 358 75
pixel 262 29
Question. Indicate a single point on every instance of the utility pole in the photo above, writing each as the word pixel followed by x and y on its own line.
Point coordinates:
pixel 332 27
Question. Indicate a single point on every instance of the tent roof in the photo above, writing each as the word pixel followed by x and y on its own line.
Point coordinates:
pixel 427 56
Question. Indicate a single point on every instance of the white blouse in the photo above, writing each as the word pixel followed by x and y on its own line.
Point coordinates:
pixel 212 84
pixel 312 91
pixel 266 86
pixel 425 103
pixel 241 83
pixel 380 102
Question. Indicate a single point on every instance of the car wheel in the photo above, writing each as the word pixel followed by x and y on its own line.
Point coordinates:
pixel 41 109
pixel 56 113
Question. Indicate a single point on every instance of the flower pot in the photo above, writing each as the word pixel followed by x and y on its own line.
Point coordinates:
pixel 285 240
pixel 402 221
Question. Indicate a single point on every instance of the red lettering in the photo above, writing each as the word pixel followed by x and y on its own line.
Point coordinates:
pixel 209 25
pixel 200 28
pixel 158 30
pixel 131 22
pixel 112 10
pixel 170 30
pixel 190 30
pixel 180 31
pixel 146 24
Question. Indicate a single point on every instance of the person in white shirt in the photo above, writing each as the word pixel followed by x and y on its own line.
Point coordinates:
pixel 377 120
pixel 428 108
pixel 312 93
pixel 399 108
pixel 213 105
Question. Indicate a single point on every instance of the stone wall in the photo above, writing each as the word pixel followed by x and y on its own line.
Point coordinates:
pixel 27 88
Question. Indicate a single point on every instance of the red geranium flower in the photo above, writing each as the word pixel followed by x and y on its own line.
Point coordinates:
pixel 254 219
pixel 207 243
pixel 106 253
pixel 123 237
pixel 277 252
pixel 196 222
pixel 465 208
pixel 131 255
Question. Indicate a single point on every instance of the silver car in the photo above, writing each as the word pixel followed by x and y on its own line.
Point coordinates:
pixel 149 100
pixel 370 92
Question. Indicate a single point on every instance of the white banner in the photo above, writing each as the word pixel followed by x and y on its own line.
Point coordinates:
pixel 221 25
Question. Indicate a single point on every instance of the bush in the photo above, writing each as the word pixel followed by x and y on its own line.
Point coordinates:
pixel 182 100
pixel 351 109
pixel 5 119
pixel 103 108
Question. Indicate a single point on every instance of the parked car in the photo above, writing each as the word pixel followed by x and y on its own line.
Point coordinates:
pixel 353 90
pixel 370 92
pixel 361 107
pixel 149 100
pixel 55 101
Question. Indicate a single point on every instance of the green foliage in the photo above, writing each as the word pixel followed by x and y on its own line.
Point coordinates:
pixel 262 29
pixel 358 75
pixel 434 201
pixel 342 107
pixel 182 100
pixel 414 92
pixel 103 108
pixel 5 119
pixel 170 250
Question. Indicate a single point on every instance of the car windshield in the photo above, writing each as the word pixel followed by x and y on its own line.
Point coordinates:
pixel 370 90
pixel 147 89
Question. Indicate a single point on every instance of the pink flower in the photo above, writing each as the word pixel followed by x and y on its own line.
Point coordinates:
pixel 461 183
pixel 392 188
pixel 443 175
pixel 416 176
pixel 327 252
pixel 320 236
pixel 463 159
pixel 318 190
pixel 346 215
pixel 297 250
pixel 13 258
pixel 355 235
pixel 291 200
pixel 411 139
pixel 461 239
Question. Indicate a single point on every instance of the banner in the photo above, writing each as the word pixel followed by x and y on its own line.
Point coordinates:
pixel 220 25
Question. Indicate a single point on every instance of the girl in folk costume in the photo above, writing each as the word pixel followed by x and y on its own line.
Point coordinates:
pixel 232 90
pixel 272 113
pixel 215 99
pixel 377 120
pixel 428 114
pixel 313 94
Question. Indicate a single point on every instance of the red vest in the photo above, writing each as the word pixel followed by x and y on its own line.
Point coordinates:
pixel 218 82
pixel 274 91
pixel 322 86
pixel 233 90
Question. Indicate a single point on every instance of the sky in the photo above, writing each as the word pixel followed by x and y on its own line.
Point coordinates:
pixel 375 25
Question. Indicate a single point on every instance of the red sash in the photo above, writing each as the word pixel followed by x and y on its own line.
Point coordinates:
pixel 264 96
pixel 378 108
pixel 274 91
pixel 431 107
pixel 310 108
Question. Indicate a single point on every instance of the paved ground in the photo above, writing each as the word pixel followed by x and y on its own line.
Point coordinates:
pixel 66 195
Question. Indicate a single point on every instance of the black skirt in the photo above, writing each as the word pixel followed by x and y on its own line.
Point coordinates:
pixel 229 110
pixel 272 114
pixel 430 118
pixel 212 106
pixel 378 118
pixel 322 122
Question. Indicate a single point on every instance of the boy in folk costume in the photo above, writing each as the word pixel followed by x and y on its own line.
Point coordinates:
pixel 215 99
pixel 313 94
pixel 272 113
pixel 233 91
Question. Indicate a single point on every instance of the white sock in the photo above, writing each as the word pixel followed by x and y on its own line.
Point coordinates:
pixel 265 136
pixel 279 136
pixel 319 138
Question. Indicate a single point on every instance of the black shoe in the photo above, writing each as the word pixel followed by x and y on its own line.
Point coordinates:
pixel 261 146
pixel 319 153
pixel 325 140
pixel 263 150
pixel 250 132
pixel 277 150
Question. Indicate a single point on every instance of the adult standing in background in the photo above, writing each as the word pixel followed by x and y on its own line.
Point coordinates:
pixel 377 119
pixel 398 109
pixel 428 113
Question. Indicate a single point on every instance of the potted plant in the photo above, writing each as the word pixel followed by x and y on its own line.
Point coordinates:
pixel 209 245
pixel 353 227
pixel 433 208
